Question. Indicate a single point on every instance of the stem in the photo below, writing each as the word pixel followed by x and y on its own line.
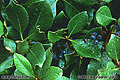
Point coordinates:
pixel 21 36
pixel 110 32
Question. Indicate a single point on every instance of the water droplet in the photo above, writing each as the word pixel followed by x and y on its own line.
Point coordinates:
pixel 36 9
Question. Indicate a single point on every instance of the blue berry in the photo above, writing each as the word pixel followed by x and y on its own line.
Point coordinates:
pixel 99 37
pixel 103 48
pixel 71 38
pixel 55 57
pixel 117 27
pixel 64 52
pixel 58 45
pixel 94 34
pixel 96 42
pixel 65 45
pixel 117 33
pixel 60 56
pixel 85 40
pixel 69 52
pixel 92 37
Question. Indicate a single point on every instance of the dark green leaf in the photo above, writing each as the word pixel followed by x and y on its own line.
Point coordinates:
pixel 6 64
pixel 40 13
pixel 98 30
pixel 88 49
pixel 49 57
pixel 22 47
pixel 23 65
pixel 13 33
pixel 113 47
pixel 77 23
pixel 119 22
pixel 87 2
pixel 63 78
pixel 52 73
pixel 1 29
pixel 103 16
pixel 10 45
pixel 35 34
pixel 2 5
pixel 36 55
pixel 18 16
pixel 55 36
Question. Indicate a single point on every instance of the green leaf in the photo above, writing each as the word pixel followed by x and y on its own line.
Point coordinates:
pixel 113 47
pixel 6 64
pixel 70 59
pixel 18 16
pixel 52 73
pixel 49 57
pixel 77 23
pixel 2 5
pixel 76 72
pixel 63 78
pixel 40 13
pixel 1 29
pixel 55 36
pixel 23 65
pixel 92 68
pixel 98 30
pixel 13 33
pixel 53 6
pixel 119 22
pixel 87 2
pixel 36 55
pixel 22 47
pixel 88 49
pixel 35 34
pixel 103 16
pixel 61 63
pixel 107 1
pixel 18 73
pixel 10 44
pixel 108 71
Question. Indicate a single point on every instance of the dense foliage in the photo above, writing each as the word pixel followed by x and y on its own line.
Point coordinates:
pixel 60 39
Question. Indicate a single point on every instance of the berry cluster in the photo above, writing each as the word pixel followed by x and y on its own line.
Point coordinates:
pixel 96 39
pixel 62 47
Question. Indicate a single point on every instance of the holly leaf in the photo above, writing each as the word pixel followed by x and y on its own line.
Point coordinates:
pixel 112 48
pixel 17 15
pixel 119 22
pixel 103 16
pixel 1 29
pixel 88 49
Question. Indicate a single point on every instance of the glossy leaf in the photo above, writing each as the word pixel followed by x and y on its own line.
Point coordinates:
pixel 49 57
pixel 40 13
pixel 22 47
pixel 103 16
pixel 17 15
pixel 10 44
pixel 55 36
pixel 77 23
pixel 1 29
pixel 36 35
pixel 88 49
pixel 119 22
pixel 6 64
pixel 107 1
pixel 52 73
pixel 23 65
pixel 36 55
pixel 87 2
pixel 107 71
pixel 113 47
pixel 63 78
